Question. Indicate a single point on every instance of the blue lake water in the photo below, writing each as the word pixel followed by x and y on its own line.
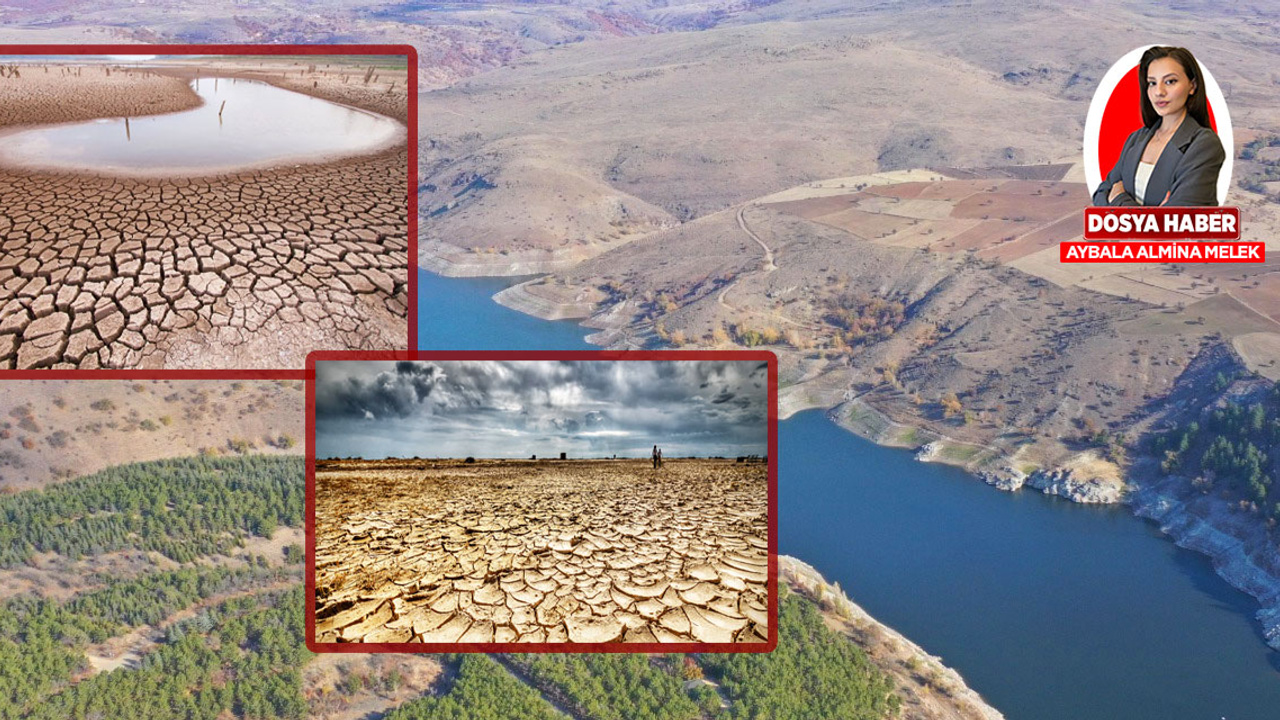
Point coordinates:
pixel 260 125
pixel 459 314
pixel 1050 609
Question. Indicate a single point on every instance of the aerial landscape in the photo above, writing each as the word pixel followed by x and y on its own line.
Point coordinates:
pixel 628 543
pixel 907 277
pixel 873 192
pixel 162 585
pixel 155 217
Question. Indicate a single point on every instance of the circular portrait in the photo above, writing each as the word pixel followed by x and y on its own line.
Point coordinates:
pixel 1158 133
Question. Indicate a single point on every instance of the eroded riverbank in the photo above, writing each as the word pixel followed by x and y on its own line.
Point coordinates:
pixel 929 689
pixel 1237 544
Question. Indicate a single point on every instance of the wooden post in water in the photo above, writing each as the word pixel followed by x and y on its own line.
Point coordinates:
pixel 128 136
pixel 220 109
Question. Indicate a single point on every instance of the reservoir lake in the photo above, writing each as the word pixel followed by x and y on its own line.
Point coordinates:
pixel 1050 609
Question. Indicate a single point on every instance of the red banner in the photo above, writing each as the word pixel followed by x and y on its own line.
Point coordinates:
pixel 1161 223
pixel 1162 251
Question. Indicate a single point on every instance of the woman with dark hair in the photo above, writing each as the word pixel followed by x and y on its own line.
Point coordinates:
pixel 1174 159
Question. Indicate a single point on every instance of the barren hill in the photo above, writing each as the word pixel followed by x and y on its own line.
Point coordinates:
pixel 692 123
pixel 454 39
pixel 875 192
pixel 567 152
pixel 55 429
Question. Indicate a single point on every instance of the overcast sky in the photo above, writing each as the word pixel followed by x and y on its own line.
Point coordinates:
pixel 517 409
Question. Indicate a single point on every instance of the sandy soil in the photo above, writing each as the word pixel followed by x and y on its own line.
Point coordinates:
pixel 552 551
pixel 249 269
pixel 51 430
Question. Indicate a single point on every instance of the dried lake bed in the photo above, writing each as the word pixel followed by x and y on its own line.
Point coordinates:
pixel 246 240
pixel 541 551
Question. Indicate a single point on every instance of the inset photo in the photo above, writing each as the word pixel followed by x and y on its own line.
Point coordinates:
pixel 468 501
pixel 1158 133
pixel 212 211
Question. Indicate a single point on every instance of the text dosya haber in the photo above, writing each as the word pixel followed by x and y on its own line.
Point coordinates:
pixel 1191 223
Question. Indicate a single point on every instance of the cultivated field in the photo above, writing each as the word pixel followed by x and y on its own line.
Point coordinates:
pixel 989 216
pixel 584 551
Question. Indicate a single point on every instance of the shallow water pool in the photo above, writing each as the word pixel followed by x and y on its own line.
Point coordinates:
pixel 241 124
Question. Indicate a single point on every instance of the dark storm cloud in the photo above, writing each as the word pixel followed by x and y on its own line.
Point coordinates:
pixel 512 409
pixel 398 392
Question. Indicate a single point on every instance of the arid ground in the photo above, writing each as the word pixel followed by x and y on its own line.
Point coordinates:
pixel 52 430
pixel 248 269
pixel 581 551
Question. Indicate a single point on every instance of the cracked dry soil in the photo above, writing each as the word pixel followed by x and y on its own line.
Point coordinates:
pixel 582 551
pixel 248 270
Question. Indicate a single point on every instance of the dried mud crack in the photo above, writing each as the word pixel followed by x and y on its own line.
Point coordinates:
pixel 102 272
pixel 252 269
pixel 552 551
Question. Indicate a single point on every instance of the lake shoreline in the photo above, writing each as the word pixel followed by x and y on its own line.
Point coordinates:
pixel 1239 550
pixel 244 269
pixel 930 690
pixel 1245 563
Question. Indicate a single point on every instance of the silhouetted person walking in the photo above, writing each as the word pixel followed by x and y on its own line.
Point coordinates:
pixel 656 457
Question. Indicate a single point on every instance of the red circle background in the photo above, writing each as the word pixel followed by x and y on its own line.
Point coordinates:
pixel 1122 116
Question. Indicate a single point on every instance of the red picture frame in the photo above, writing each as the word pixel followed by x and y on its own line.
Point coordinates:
pixel 582 355
pixel 411 182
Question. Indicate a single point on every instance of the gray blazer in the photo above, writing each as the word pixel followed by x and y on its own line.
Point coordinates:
pixel 1187 169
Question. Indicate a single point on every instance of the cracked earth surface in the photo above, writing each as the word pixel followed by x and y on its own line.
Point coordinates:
pixel 580 551
pixel 247 270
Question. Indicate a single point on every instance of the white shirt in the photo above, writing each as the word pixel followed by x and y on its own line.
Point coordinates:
pixel 1140 179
